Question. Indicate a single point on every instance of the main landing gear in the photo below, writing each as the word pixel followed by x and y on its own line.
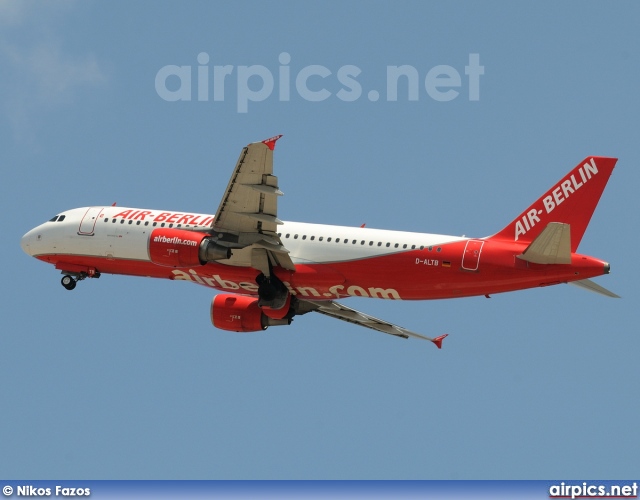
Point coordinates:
pixel 70 280
pixel 271 292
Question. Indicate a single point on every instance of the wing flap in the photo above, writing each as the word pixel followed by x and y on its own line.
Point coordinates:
pixel 265 188
pixel 260 216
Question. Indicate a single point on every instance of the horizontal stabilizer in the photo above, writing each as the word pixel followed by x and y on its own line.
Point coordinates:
pixel 592 286
pixel 551 246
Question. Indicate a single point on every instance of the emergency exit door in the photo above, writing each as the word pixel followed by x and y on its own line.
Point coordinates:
pixel 471 256
pixel 88 222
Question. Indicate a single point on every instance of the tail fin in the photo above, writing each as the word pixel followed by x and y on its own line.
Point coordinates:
pixel 571 200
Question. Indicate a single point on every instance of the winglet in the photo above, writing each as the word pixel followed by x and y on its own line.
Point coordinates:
pixel 271 142
pixel 438 340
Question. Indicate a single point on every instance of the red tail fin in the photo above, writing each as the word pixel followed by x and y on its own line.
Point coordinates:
pixel 571 200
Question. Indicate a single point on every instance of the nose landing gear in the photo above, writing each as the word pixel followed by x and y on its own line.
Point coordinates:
pixel 70 280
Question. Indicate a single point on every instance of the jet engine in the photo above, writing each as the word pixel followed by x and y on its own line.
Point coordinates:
pixel 239 313
pixel 180 248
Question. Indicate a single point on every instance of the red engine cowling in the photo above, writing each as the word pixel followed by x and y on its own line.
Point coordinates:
pixel 239 313
pixel 179 248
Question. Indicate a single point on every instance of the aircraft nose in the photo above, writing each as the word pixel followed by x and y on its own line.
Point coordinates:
pixel 25 243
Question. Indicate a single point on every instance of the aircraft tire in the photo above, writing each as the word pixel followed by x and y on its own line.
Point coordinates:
pixel 68 282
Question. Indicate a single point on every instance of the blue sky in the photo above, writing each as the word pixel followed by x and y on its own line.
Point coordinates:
pixel 126 378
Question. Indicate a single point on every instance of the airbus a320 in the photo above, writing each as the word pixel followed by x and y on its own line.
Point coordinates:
pixel 271 271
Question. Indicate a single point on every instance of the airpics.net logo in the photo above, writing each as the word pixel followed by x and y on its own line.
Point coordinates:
pixel 314 83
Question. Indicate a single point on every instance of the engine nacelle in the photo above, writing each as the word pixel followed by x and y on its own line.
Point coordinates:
pixel 180 248
pixel 239 313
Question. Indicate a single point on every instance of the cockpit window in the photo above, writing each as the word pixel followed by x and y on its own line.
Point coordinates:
pixel 61 218
pixel 53 219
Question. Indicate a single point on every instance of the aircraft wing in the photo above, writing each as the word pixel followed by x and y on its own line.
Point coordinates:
pixel 247 218
pixel 344 313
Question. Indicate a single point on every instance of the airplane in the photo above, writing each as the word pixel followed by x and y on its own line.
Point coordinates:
pixel 271 271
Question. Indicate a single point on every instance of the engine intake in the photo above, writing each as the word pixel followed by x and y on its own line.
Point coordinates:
pixel 239 313
pixel 180 248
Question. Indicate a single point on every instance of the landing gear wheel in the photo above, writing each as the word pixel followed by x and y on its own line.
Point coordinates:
pixel 271 292
pixel 68 282
pixel 267 291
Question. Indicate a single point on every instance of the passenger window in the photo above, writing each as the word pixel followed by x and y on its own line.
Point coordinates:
pixel 388 245
pixel 162 225
pixel 113 221
pixel 138 223
pixel 404 246
pixel 304 236
pixel 288 234
pixel 422 247
pixel 396 245
pixel 362 242
pixel 295 236
pixel 379 243
pixel 121 221
pixel 413 247
pixel 313 238
pixel 337 240
pixel 320 239
pixel 130 222
pixel 329 239
pixel 371 243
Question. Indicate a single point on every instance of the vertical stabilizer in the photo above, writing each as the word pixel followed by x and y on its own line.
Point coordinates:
pixel 571 200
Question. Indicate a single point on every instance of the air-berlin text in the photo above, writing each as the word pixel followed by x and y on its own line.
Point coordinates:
pixel 559 195
pixel 169 217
